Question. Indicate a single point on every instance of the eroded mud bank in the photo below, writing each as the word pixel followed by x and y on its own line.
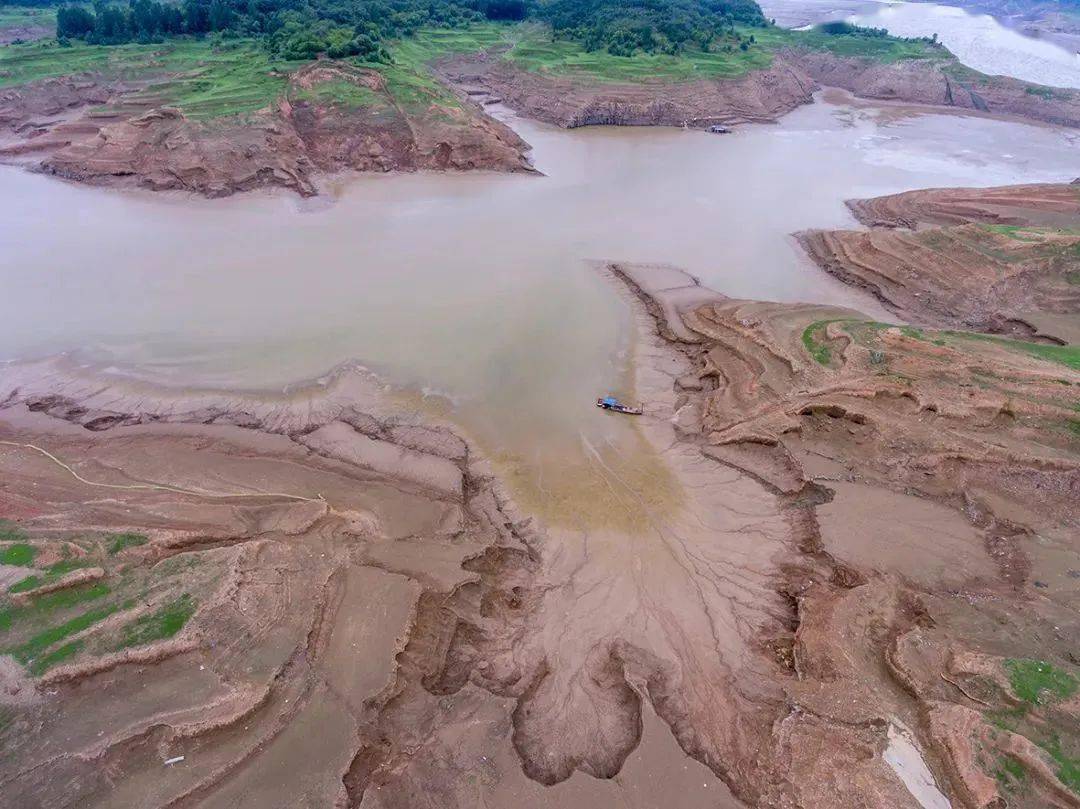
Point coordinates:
pixel 860 531
pixel 1003 260
pixel 106 131
pixel 760 96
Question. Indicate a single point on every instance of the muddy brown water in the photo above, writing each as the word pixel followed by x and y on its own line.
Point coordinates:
pixel 473 294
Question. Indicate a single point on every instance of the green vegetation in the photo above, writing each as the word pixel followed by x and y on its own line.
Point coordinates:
pixel 538 52
pixel 854 44
pixel 718 38
pixel 1068 356
pixel 30 653
pixel 52 573
pixel 43 605
pixel 10 532
pixel 217 58
pixel 1068 767
pixel 1046 93
pixel 44 630
pixel 342 93
pixel 119 542
pixel 1010 773
pixel 46 661
pixel 1032 680
pixel 211 80
pixel 25 17
pixel 819 351
pixel 161 624
pixel 20 554
pixel 1038 682
pixel 628 27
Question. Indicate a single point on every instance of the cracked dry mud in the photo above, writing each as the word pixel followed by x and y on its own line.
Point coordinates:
pixel 810 598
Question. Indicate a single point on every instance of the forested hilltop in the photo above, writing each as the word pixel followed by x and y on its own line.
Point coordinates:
pixel 302 29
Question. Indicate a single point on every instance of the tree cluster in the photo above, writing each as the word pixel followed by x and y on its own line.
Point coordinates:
pixel 292 28
pixel 842 28
pixel 302 29
pixel 624 27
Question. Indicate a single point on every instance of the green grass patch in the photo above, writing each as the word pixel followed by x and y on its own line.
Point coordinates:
pixel 29 583
pixel 20 554
pixel 1045 93
pixel 52 573
pixel 429 44
pixel 27 17
pixel 1068 356
pixel 31 652
pixel 62 653
pixel 120 542
pixel 342 93
pixel 531 46
pixel 819 351
pixel 1038 682
pixel 1068 767
pixel 545 55
pixel 886 50
pixel 161 624
pixel 10 532
pixel 1010 773
pixel 42 606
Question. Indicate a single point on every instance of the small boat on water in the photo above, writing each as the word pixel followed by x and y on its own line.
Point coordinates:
pixel 611 403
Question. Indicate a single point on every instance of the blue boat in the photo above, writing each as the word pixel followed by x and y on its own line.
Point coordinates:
pixel 611 403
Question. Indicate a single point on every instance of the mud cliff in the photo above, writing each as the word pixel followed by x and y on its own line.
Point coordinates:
pixel 570 101
pixel 945 84
pixel 1002 260
pixel 760 96
pixel 94 130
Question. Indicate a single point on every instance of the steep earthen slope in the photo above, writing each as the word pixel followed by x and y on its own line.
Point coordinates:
pixel 94 130
pixel 1002 260
pixel 945 84
pixel 571 100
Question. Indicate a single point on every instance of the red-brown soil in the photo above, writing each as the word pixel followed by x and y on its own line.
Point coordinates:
pixel 1003 260
pixel 821 611
pixel 567 101
pixel 93 130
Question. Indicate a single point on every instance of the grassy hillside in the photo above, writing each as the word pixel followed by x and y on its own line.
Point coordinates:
pixel 209 78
